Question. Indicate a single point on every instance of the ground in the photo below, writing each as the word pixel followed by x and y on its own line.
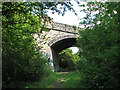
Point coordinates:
pixel 60 81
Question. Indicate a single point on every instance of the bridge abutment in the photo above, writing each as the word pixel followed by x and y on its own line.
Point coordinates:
pixel 56 60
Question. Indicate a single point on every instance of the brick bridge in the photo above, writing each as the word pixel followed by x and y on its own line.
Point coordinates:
pixel 59 37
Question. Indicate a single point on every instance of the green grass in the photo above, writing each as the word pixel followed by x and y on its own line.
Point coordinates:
pixel 47 82
pixel 73 80
pixel 70 80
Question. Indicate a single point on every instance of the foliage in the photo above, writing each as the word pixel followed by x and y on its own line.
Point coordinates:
pixel 99 47
pixel 66 59
pixel 46 82
pixel 98 44
pixel 53 6
pixel 73 80
pixel 21 58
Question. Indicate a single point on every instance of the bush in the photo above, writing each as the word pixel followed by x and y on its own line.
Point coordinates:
pixel 99 50
pixel 21 60
pixel 100 64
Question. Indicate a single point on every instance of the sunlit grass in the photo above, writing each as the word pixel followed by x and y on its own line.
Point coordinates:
pixel 65 79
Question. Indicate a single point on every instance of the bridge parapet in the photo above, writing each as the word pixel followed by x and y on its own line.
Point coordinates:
pixel 62 27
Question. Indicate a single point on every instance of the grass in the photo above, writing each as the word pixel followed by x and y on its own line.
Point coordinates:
pixel 47 82
pixel 73 80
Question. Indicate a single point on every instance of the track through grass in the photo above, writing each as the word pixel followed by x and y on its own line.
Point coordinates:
pixel 59 80
pixel 47 82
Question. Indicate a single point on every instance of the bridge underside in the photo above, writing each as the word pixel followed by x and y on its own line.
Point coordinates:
pixel 58 47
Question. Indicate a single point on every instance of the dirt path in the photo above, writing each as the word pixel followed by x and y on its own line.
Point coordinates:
pixel 59 82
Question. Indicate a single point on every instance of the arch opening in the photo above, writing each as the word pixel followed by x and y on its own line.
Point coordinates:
pixel 63 44
pixel 68 59
pixel 59 46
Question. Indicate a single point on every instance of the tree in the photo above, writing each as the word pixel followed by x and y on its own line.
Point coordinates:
pixel 66 59
pixel 21 59
pixel 99 44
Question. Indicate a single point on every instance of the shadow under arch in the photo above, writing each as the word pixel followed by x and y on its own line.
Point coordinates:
pixel 58 44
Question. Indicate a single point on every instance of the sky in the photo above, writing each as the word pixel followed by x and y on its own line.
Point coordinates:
pixel 74 49
pixel 69 18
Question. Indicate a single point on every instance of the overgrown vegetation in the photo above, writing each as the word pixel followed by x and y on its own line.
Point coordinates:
pixel 46 82
pixel 67 62
pixel 22 61
pixel 99 47
pixel 73 80
pixel 97 64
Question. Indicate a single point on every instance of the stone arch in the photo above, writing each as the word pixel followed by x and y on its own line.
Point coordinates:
pixel 64 38
pixel 60 43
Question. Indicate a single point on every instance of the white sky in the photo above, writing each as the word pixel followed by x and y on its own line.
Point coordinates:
pixel 69 18
pixel 74 49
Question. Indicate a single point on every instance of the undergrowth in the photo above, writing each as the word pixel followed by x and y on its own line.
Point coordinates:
pixel 73 80
pixel 47 82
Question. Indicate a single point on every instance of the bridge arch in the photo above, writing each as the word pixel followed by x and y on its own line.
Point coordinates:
pixel 59 37
pixel 62 42
pixel 58 44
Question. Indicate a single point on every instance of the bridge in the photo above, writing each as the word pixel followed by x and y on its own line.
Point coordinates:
pixel 59 37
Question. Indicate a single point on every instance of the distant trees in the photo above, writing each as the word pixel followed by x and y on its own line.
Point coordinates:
pixel 66 59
